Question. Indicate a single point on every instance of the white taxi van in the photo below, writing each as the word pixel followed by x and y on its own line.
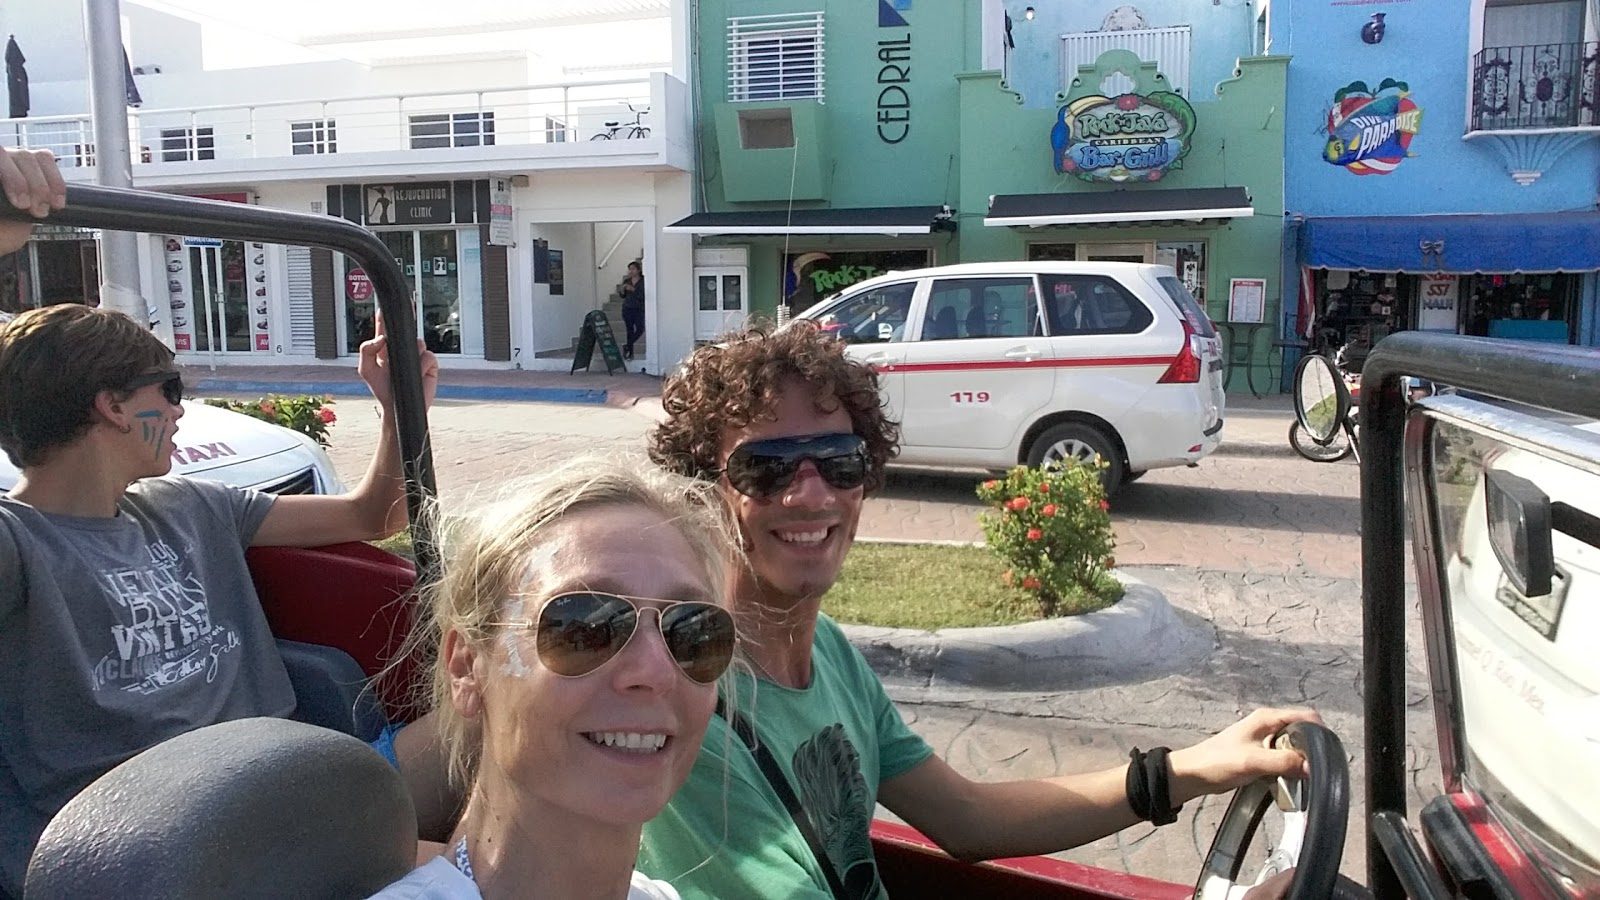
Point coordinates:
pixel 987 365
pixel 235 449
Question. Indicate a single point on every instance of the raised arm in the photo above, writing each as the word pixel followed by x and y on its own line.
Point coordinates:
pixel 376 508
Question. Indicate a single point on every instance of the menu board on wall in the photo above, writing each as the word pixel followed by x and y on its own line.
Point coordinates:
pixel 1247 299
pixel 179 302
pixel 255 269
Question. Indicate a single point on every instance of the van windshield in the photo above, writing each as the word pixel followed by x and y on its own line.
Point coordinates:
pixel 1187 305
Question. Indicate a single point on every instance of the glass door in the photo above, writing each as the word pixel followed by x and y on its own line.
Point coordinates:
pixel 719 297
pixel 206 294
pixel 431 264
pixel 221 296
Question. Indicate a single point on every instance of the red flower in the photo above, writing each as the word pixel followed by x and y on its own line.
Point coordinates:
pixel 1104 506
pixel 268 407
pixel 1049 509
pixel 1044 488
pixel 1031 583
pixel 990 485
pixel 327 416
pixel 1035 534
pixel 1128 102
pixel 1019 503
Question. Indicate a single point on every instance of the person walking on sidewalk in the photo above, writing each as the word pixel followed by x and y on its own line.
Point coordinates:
pixel 632 307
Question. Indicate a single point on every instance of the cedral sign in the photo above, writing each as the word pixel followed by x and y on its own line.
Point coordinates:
pixel 1134 137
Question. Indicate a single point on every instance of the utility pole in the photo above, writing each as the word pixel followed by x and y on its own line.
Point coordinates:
pixel 108 100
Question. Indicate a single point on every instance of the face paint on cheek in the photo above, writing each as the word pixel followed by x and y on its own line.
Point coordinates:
pixel 511 638
pixel 153 429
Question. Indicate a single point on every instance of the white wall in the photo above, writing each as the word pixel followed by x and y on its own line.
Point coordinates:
pixel 556 319
pixel 669 271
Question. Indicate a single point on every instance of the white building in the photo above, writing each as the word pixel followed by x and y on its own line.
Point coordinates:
pixel 404 129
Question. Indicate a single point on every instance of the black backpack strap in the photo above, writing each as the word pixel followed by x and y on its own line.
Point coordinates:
pixel 780 785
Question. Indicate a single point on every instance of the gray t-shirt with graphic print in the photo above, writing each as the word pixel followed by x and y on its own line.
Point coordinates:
pixel 118 633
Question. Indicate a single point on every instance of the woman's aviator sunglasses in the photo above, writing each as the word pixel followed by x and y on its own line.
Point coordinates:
pixel 171 384
pixel 764 468
pixel 578 632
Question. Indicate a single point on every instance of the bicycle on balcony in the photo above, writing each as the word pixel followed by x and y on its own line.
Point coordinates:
pixel 626 131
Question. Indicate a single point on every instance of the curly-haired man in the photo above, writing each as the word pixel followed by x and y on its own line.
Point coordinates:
pixel 795 434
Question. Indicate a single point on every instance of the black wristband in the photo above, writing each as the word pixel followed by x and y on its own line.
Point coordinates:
pixel 1137 784
pixel 1158 774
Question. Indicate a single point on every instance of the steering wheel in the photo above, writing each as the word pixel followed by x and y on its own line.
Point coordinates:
pixel 1315 811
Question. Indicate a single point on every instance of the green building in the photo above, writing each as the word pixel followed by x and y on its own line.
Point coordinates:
pixel 838 139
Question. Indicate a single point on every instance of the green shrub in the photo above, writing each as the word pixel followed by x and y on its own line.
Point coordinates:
pixel 311 416
pixel 1051 526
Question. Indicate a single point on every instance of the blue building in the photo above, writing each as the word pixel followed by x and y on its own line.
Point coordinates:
pixel 1442 166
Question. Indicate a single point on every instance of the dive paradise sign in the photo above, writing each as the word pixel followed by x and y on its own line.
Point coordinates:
pixel 1133 137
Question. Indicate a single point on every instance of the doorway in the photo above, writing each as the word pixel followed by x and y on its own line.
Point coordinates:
pixel 221 299
pixel 431 261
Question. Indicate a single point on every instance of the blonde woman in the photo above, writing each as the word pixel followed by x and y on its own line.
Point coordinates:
pixel 581 635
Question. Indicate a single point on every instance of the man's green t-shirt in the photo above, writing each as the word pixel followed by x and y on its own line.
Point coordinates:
pixel 726 834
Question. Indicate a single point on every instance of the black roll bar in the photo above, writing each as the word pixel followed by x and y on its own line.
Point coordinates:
pixel 122 209
pixel 1566 379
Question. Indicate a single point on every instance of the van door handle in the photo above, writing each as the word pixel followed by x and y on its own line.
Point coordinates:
pixel 1026 354
pixel 878 360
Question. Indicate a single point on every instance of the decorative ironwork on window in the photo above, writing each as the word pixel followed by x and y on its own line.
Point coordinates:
pixel 1536 86
pixel 775 57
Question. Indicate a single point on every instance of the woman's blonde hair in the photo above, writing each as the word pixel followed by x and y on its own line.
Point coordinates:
pixel 487 558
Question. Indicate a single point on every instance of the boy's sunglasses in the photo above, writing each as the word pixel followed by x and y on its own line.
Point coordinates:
pixel 578 632
pixel 764 468
pixel 171 384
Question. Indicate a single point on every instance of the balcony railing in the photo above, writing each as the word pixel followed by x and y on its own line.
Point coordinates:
pixel 1537 86
pixel 327 129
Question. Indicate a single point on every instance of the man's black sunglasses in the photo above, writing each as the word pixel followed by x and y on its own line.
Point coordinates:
pixel 764 468
pixel 171 384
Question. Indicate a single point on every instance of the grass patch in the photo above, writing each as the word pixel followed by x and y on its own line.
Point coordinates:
pixel 929 587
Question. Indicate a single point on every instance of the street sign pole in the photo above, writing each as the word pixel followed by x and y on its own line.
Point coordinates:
pixel 108 100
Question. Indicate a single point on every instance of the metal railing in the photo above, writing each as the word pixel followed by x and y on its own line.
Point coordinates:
pixel 1536 86
pixel 532 114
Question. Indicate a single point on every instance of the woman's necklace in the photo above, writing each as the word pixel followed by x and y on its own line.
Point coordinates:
pixel 462 861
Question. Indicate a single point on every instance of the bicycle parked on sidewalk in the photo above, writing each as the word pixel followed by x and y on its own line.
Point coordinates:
pixel 620 131
pixel 1326 406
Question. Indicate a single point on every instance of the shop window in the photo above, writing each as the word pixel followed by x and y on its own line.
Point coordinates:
pixel 315 137
pixel 775 57
pixel 979 308
pixel 470 129
pixel 1092 304
pixel 187 144
pixel 555 130
pixel 877 316
pixel 1527 307
pixel 1188 259
pixel 810 277
pixel 1052 252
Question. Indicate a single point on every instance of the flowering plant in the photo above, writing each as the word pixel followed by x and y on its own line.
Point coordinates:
pixel 1051 526
pixel 306 414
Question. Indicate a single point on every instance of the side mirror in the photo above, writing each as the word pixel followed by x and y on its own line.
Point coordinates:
pixel 1321 399
pixel 1520 532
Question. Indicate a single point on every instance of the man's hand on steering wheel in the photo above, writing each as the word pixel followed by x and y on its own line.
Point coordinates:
pixel 1238 755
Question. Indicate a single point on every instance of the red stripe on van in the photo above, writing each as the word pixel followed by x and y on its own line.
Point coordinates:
pixel 984 365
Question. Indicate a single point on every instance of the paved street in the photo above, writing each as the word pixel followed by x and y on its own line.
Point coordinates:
pixel 1256 544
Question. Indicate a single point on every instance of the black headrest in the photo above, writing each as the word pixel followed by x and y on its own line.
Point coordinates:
pixel 251 808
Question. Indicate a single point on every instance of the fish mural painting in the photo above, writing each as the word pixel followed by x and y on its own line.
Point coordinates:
pixel 1370 132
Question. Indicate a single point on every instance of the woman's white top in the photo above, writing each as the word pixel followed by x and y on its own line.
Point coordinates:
pixel 441 880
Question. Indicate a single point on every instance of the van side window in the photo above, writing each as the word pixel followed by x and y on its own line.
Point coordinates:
pixel 877 316
pixel 1092 304
pixel 979 307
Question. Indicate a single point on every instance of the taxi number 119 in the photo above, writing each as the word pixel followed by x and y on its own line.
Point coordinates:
pixel 969 398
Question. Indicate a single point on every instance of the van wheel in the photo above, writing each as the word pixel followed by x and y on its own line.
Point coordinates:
pixel 1083 443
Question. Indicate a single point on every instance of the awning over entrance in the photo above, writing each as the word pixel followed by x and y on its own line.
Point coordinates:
pixel 1118 207
pixel 1509 242
pixel 889 220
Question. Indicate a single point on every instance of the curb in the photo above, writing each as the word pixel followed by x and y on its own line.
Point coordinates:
pixel 1255 448
pixel 446 391
pixel 1139 638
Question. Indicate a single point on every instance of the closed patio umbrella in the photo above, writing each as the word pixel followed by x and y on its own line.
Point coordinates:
pixel 127 74
pixel 16 79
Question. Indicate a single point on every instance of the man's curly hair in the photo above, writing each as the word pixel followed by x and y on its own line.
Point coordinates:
pixel 730 384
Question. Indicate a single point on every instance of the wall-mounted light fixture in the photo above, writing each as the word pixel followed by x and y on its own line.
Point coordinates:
pixel 1028 14
pixel 1372 32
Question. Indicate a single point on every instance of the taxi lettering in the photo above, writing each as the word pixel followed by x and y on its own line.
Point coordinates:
pixel 185 455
